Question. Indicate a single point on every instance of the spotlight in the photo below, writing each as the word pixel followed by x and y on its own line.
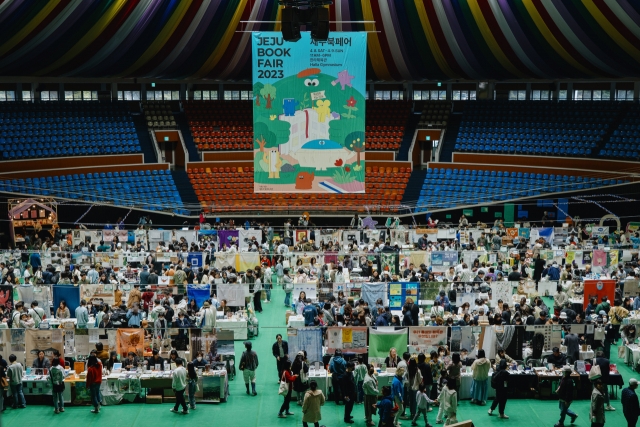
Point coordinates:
pixel 305 12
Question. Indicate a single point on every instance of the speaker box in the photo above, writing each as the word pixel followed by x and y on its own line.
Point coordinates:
pixel 320 24
pixel 290 25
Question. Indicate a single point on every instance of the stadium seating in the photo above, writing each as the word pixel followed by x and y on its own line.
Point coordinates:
pixel 228 125
pixel 434 113
pixel 447 188
pixel 158 115
pixel 535 127
pixel 53 129
pixel 151 189
pixel 625 140
pixel 231 189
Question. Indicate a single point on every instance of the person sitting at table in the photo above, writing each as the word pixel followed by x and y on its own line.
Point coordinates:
pixel 578 320
pixel 41 362
pixel 199 361
pixel 131 362
pixel 173 357
pixel 101 353
pixel 113 359
pixel 392 360
pixel 591 307
pixel 155 359
pixel 542 319
pixel 502 355
pixel 443 301
pixel 628 333
pixel 556 358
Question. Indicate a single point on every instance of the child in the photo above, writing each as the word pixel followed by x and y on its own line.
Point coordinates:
pixel 422 405
pixel 27 321
pixel 448 404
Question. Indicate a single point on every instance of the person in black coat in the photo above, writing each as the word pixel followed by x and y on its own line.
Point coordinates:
pixel 603 362
pixel 415 311
pixel 629 400
pixel 280 350
pixel 499 383
pixel 349 392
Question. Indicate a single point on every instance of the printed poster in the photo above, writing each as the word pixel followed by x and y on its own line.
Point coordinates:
pixel 45 340
pixel 309 113
pixel 130 340
pixel 349 339
pixel 427 338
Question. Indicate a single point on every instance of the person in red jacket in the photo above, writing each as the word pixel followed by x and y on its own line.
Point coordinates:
pixel 287 376
pixel 94 380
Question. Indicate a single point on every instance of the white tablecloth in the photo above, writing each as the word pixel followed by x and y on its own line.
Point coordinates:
pixel 632 355
pixel 588 354
pixel 465 387
pixel 296 321
pixel 239 327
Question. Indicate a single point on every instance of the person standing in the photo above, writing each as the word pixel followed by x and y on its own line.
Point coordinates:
pixel 338 369
pixel 248 366
pixel 56 376
pixel 499 383
pixel 288 287
pixel 630 406
pixel 604 364
pixel 422 406
pixel 565 397
pixel 179 385
pixel 480 369
pixel 370 388
pixel 287 376
pixel 397 393
pixel 82 315
pixel 350 392
pixel 313 401
pixel 280 350
pixel 449 403
pixel 192 382
pixel 596 411
pixel 94 381
pixel 359 373
pixel 15 372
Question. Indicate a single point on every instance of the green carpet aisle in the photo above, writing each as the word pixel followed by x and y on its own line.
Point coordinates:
pixel 262 410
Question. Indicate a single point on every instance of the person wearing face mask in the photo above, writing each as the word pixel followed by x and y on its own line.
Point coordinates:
pixel 199 361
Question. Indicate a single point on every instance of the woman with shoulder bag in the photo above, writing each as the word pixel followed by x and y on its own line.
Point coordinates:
pixel 56 375
pixel 301 369
pixel 286 386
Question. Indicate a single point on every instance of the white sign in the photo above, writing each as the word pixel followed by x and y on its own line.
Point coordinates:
pixel 317 95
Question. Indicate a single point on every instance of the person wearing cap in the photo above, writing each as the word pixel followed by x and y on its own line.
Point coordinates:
pixel 565 397
pixel 630 405
pixel 248 366
pixel 300 368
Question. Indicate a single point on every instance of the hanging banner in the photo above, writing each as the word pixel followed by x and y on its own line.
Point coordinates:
pixel 597 289
pixel 309 113
pixel 442 260
pixel 307 339
pixel 348 339
pixel 381 341
pixel 43 340
pixel 426 339
pixel 130 340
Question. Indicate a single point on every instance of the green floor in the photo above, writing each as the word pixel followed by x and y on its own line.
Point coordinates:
pixel 262 410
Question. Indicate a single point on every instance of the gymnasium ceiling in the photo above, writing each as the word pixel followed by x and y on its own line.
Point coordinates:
pixel 415 39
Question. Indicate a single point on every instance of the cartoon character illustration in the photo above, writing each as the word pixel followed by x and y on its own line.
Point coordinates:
pixel 344 79
pixel 304 181
pixel 274 163
pixel 289 106
pixel 322 109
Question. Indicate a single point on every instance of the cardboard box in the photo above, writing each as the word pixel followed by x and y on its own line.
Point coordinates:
pixel 169 399
pixel 167 392
pixel 154 399
pixel 287 314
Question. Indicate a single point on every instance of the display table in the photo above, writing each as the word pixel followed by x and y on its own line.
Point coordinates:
pixel 631 320
pixel 239 327
pixel 465 386
pixel 632 355
pixel 587 354
pixel 213 387
pixel 325 382
pixel 296 321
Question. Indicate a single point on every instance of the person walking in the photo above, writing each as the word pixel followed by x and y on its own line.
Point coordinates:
pixel 350 392
pixel 630 406
pixel 422 405
pixel 94 381
pixel 15 372
pixel 397 393
pixel 565 397
pixel 56 376
pixel 449 403
pixel 280 350
pixel 370 388
pixel 300 368
pixel 288 287
pixel 499 383
pixel 313 400
pixel 596 412
pixel 480 369
pixel 179 385
pixel 248 366
pixel 192 381
pixel 287 376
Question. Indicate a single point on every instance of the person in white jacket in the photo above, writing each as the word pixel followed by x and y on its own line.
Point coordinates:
pixel 208 320
pixel 179 384
pixel 422 405
pixel 448 404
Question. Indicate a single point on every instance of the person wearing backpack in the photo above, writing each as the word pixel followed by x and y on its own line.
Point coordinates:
pixel 499 383
pixel 56 376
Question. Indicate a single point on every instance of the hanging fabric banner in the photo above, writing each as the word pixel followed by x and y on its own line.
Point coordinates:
pixel 309 113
